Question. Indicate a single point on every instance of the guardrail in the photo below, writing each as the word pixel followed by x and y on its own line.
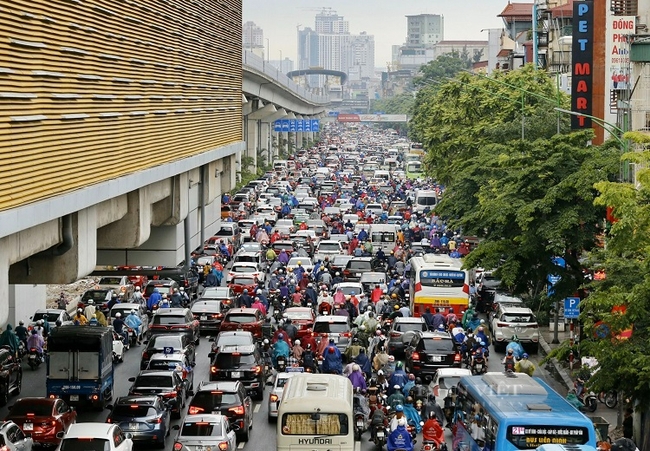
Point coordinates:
pixel 258 64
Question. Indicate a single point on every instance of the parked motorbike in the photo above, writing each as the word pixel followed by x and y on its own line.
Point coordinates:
pixel 609 398
pixel 34 358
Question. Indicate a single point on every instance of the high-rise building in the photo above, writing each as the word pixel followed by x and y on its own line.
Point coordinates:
pixel 308 48
pixel 329 22
pixel 424 29
pixel 360 54
pixel 252 36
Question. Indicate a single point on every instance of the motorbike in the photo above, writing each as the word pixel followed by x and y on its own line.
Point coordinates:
pixel 609 398
pixel 431 445
pixel 359 425
pixel 34 358
pixel 478 366
pixel 381 433
pixel 22 350
pixel 133 336
pixel 281 364
pixel 590 401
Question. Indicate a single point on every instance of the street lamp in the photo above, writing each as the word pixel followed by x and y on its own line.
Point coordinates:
pixel 268 50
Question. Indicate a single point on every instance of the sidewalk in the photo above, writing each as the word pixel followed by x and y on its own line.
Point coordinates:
pixel 561 373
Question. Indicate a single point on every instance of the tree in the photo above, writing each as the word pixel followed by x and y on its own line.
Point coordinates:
pixel 622 300
pixel 439 70
pixel 398 104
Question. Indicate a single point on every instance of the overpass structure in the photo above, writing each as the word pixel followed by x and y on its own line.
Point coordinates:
pixel 121 127
pixel 270 95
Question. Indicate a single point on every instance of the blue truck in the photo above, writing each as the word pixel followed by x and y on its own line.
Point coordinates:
pixel 80 365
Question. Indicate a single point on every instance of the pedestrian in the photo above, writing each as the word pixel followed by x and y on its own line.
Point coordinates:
pixel 628 424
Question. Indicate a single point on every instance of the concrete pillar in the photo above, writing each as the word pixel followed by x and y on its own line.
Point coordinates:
pixel 252 143
pixel 24 300
pixel 255 122
pixel 281 113
pixel 265 141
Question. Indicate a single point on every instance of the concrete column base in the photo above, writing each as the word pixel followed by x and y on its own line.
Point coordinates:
pixel 24 300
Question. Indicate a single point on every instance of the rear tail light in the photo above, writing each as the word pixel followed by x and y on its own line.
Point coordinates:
pixel 195 410
pixel 213 369
pixel 394 334
pixel 457 358
pixel 178 446
pixel 273 397
pixel 239 410
pixel 155 421
pixel 415 356
pixel 171 394
pixel 223 446
pixel 257 369
pixel 108 420
pixel 145 356
pixel 502 324
pixel 346 334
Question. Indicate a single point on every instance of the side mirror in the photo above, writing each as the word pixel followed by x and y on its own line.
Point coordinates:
pixel 176 427
pixel 235 427
pixel 129 436
pixel 60 435
pixel 28 435
pixel 132 379
pixel 109 407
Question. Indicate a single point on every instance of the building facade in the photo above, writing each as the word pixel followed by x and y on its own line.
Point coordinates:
pixel 252 36
pixel 424 29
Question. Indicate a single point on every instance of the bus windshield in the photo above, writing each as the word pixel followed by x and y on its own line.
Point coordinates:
pixel 315 424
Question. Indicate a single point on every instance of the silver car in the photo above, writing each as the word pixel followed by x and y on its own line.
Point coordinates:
pixel 275 397
pixel 201 432
pixel 12 438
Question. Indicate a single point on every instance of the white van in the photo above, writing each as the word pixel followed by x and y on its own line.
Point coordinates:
pixel 383 236
pixel 425 199
pixel 316 414
pixel 381 174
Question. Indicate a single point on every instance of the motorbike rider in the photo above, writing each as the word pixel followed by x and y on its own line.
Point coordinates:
pixel 308 359
pixel 396 399
pixel 332 360
pixel 134 322
pixel 35 341
pixel 21 332
pixel 509 361
pixel 268 329
pixel 118 327
pixel 364 363
pixel 280 348
pixel 79 318
pixel 290 329
pixel 419 391
pixel 432 430
pixel 176 299
pixel 525 365
pixel 137 297
pixel 399 377
pixel 432 407
pixel 377 421
pixel 154 299
pixel 410 383
pixel 399 438
pixel 9 339
pixel 357 378
pixel 517 348
pixel 90 309
pixel 412 416
pixel 62 303
pixel 353 350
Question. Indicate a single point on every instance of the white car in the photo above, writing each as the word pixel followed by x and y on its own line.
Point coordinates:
pixel 305 262
pixel 204 432
pixel 444 380
pixel 350 288
pixel 245 268
pixel 275 397
pixel 93 436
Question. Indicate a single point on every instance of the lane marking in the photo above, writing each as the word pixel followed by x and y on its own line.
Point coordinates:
pixel 257 408
pixel 357 446
pixel 241 445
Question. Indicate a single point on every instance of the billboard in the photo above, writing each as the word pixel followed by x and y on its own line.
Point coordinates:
pixel 582 59
pixel 617 61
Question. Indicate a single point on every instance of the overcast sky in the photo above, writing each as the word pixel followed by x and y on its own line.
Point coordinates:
pixel 385 19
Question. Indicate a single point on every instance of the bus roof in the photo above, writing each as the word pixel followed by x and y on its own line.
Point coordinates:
pixel 327 392
pixel 512 396
pixel 437 260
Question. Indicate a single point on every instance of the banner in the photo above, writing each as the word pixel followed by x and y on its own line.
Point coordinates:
pixel 582 58
pixel 617 61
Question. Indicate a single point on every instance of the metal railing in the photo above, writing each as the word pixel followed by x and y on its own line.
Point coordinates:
pixel 258 64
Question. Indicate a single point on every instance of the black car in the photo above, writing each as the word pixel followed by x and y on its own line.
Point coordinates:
pixel 177 342
pixel 356 266
pixel 11 376
pixel 227 398
pixel 240 363
pixel 146 418
pixel 229 338
pixel 429 351
pixel 487 288
pixel 167 384
pixel 208 313
pixel 175 321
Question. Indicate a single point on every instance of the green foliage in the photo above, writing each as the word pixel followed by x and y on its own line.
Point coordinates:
pixel 399 104
pixel 442 68
pixel 625 363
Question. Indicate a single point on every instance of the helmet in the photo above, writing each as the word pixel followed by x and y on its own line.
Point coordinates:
pixel 356 367
pixel 330 350
pixel 483 344
pixel 297 342
pixel 281 337
pixel 525 356
pixel 79 310
pixel 21 322
pixel 337 273
pixel 451 310
pixel 391 358
pixel 299 262
pixel 246 290
pixel 396 306
pixel 398 407
pixel 132 311
pixel 411 377
pixel 380 373
pixel 510 351
pixel 399 365
pixel 40 321
pixel 432 415
pixel 394 295
pixel 118 315
pixel 137 288
pixel 266 341
pixel 164 296
pixel 182 289
pixel 91 302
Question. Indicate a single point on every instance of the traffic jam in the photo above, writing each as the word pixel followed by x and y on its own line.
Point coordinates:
pixel 332 300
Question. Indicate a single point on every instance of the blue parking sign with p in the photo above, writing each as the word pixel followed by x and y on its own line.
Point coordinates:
pixel 572 307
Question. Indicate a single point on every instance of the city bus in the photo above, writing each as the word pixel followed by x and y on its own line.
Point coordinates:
pixel 513 411
pixel 417 148
pixel 414 170
pixel 438 281
pixel 316 414
pixel 412 157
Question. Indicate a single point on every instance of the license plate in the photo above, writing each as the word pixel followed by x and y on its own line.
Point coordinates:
pixel 198 448
pixel 74 398
pixel 436 358
pixel 235 374
pixel 359 423
pixel 380 434
pixel 28 426
pixel 204 317
pixel 134 426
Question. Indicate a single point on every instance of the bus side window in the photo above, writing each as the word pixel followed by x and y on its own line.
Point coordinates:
pixel 490 432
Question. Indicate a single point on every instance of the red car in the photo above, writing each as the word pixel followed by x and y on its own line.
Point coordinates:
pixel 248 319
pixel 239 283
pixel 303 318
pixel 43 418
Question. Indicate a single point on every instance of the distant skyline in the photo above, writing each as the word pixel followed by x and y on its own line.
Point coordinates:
pixel 384 19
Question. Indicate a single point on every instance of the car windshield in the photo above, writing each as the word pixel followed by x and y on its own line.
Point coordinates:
pixel 162 289
pixel 26 407
pixel 162 341
pixel 241 318
pixel 98 296
pixel 373 278
pixel 281 382
pixel 134 411
pixel 51 317
pixel 518 318
pixel 234 360
pixel 426 201
pixel 299 314
pixel 200 429
pixel 448 382
pixel 438 345
pixel 110 281
pixel 349 291
pixel 225 231
pixel 217 292
pixel 153 381
pixel 329 247
pixel 85 444
pixel 242 281
pixel 239 339
pixel 165 364
pixel 251 247
pixel 359 265
pixel 238 268
pixel 410 327
pixel 330 328
pixel 211 401
pixel 168 319
pixel 206 306
pixel 247 258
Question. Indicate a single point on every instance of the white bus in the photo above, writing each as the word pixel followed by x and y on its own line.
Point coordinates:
pixel 438 281
pixel 316 414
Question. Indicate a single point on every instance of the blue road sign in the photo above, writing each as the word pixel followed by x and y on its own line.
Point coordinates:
pixel 300 125
pixel 571 308
pixel 332 113
pixel 285 125
pixel 292 125
pixel 315 125
pixel 307 125
pixel 277 126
